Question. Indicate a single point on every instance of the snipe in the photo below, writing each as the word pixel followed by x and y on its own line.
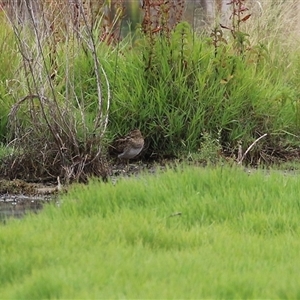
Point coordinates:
pixel 128 147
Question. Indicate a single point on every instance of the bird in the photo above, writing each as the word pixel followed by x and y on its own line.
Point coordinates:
pixel 130 146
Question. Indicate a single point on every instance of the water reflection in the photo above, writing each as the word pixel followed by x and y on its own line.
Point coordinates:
pixel 17 206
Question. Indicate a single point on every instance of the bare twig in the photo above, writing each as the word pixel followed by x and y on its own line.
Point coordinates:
pixel 49 138
pixel 250 147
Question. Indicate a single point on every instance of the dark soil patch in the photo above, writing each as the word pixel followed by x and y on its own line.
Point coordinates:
pixel 18 197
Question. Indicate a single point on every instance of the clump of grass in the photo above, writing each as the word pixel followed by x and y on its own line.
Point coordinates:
pixel 209 152
pixel 52 127
pixel 9 63
pixel 175 101
pixel 226 82
pixel 222 226
pixel 166 81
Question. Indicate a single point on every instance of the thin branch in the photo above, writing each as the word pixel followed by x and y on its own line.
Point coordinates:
pixel 250 147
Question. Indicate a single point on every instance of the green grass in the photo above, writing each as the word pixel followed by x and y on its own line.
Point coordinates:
pixel 194 88
pixel 237 237
pixel 178 88
pixel 9 63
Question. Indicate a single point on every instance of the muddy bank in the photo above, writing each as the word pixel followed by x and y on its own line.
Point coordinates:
pixel 18 205
pixel 18 197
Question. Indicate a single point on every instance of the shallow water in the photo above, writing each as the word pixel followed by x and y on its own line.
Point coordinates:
pixel 17 206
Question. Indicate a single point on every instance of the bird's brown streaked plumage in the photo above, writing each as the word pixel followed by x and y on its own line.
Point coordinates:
pixel 129 146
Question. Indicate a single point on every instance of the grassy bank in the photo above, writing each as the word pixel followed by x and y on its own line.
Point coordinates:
pixel 237 236
pixel 224 87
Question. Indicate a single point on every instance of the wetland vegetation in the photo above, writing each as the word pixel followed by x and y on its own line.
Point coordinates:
pixel 185 233
pixel 225 97
pixel 70 88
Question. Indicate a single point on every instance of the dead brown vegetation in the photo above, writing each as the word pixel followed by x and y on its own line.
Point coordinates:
pixel 49 146
pixel 49 129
